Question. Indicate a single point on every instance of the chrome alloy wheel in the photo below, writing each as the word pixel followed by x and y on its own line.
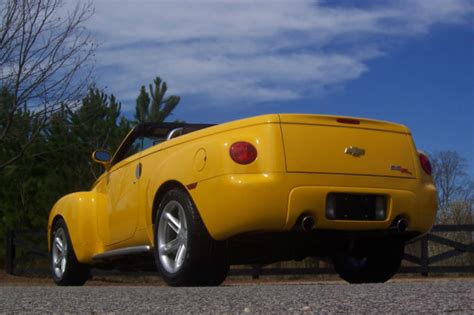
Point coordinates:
pixel 172 236
pixel 59 251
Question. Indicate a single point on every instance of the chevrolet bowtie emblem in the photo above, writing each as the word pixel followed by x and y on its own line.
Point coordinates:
pixel 354 151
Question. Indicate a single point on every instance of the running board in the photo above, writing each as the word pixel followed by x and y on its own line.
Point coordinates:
pixel 123 252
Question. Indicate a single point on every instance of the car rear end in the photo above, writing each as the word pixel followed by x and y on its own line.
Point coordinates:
pixel 291 186
pixel 356 174
pixel 345 174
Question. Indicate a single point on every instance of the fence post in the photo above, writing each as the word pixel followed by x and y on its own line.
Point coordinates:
pixel 256 270
pixel 424 255
pixel 10 252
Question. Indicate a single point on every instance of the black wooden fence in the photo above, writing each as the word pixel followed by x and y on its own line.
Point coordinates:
pixel 22 247
pixel 422 262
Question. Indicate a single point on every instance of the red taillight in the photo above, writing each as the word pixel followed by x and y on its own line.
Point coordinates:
pixel 425 164
pixel 243 152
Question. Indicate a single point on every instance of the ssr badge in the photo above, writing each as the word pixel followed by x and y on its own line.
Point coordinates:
pixel 400 169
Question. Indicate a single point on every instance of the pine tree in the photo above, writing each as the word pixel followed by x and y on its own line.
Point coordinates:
pixel 161 107
pixel 142 104
pixel 58 161
pixel 96 125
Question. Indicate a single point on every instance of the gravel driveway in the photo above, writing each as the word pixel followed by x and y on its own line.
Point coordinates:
pixel 438 296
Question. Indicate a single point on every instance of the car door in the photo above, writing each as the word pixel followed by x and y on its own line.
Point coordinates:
pixel 123 201
pixel 119 221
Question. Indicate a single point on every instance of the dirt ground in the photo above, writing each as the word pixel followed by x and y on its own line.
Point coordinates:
pixel 149 279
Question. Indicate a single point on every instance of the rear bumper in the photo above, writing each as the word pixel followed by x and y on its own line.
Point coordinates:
pixel 240 203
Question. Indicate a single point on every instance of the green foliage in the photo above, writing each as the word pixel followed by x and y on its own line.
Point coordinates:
pixel 58 161
pixel 143 101
pixel 160 107
pixel 17 128
pixel 96 125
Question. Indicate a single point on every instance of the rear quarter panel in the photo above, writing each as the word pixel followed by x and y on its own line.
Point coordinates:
pixel 203 155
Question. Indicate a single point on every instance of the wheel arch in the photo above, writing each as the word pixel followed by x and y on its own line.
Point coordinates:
pixel 55 219
pixel 160 193
pixel 78 210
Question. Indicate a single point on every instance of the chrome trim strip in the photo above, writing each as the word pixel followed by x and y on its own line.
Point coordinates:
pixel 123 251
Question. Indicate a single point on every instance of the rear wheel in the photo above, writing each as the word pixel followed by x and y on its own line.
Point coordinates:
pixel 185 253
pixel 372 265
pixel 65 268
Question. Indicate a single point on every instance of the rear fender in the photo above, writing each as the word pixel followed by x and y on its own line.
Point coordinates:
pixel 177 167
pixel 199 160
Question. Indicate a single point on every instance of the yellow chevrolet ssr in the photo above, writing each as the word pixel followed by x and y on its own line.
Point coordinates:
pixel 199 198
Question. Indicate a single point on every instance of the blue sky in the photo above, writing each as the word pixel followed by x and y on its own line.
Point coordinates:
pixel 407 61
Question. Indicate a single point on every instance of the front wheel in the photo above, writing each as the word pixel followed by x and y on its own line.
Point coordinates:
pixel 372 265
pixel 185 253
pixel 65 268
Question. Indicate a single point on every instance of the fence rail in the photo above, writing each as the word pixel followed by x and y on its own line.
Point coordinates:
pixel 27 243
pixel 424 263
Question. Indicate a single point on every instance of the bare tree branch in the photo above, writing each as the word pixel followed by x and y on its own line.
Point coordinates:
pixel 455 187
pixel 45 54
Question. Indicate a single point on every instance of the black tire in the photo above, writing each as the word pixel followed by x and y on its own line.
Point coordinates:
pixel 73 273
pixel 216 268
pixel 204 260
pixel 374 265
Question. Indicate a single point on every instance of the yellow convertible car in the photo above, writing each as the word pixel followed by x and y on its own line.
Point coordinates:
pixel 199 198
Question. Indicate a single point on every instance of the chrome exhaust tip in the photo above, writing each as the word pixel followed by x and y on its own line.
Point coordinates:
pixel 307 223
pixel 401 224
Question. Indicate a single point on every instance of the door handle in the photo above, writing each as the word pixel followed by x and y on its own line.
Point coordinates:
pixel 138 172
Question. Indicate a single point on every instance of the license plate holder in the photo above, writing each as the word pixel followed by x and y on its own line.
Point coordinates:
pixel 359 207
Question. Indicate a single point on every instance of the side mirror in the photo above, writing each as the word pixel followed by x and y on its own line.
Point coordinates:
pixel 101 157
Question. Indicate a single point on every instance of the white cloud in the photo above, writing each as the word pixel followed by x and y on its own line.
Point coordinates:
pixel 247 51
